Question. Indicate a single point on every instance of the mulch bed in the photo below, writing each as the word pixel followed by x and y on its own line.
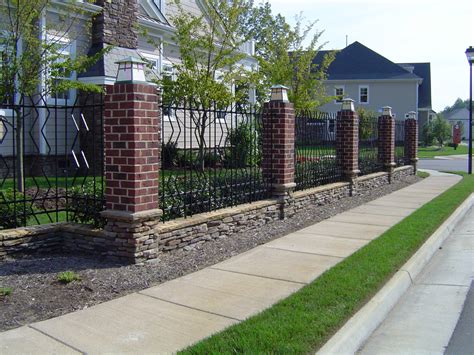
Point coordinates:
pixel 37 295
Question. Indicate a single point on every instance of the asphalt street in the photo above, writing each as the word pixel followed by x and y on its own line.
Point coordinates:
pixel 443 164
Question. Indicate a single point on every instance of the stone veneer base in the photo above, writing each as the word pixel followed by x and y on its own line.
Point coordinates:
pixel 149 237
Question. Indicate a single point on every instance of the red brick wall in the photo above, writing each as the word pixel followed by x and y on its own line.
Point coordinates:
pixel 386 140
pixel 347 142
pixel 278 136
pixel 411 140
pixel 132 143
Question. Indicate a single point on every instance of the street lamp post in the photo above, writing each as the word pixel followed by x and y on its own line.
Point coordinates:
pixel 470 59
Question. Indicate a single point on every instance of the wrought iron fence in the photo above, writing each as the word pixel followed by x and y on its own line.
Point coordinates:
pixel 210 159
pixel 368 147
pixel 51 160
pixel 315 149
pixel 400 143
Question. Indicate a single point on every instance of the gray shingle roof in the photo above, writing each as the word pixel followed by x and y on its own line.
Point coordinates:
pixel 356 61
pixel 106 66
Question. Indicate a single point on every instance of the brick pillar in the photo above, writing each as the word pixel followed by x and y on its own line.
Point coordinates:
pixel 347 141
pixel 411 142
pixel 132 143
pixel 278 163
pixel 386 142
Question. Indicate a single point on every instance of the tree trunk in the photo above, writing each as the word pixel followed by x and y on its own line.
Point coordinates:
pixel 19 152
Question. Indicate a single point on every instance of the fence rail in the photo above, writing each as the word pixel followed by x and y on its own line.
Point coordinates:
pixel 400 143
pixel 315 149
pixel 368 147
pixel 51 168
pixel 210 159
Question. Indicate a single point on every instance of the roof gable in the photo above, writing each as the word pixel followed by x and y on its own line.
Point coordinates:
pixel 149 9
pixel 356 61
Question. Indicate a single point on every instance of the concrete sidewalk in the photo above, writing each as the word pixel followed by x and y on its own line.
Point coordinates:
pixel 180 312
pixel 425 317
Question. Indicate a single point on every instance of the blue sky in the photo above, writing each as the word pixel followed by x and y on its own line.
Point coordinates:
pixel 401 30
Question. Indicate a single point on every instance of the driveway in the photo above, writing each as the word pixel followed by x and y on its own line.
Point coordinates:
pixel 446 163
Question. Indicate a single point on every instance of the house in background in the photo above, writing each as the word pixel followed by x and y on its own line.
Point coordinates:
pixel 422 70
pixel 459 116
pixel 373 81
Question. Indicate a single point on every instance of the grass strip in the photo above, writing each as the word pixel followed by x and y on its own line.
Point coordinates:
pixel 304 321
pixel 431 152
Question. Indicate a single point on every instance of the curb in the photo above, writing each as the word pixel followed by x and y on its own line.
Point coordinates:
pixel 361 325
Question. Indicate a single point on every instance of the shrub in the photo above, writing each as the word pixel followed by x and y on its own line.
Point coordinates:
pixel 86 203
pixel 243 146
pixel 427 134
pixel 5 291
pixel 13 211
pixel 169 155
pixel 441 129
pixel 66 277
pixel 367 124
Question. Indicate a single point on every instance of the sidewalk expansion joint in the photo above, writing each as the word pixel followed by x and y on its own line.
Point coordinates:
pixel 189 307
pixel 31 326
pixel 359 223
pixel 263 277
pixel 377 214
pixel 409 275
pixel 438 284
pixel 305 252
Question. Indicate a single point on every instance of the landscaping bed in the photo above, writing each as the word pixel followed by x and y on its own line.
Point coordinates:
pixel 37 294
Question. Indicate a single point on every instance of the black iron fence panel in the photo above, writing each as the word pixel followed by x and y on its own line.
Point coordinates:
pixel 315 149
pixel 400 143
pixel 210 159
pixel 368 147
pixel 51 160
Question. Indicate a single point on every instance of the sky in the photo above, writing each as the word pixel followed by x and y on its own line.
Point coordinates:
pixel 432 31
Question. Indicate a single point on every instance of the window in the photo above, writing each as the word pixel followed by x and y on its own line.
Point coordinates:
pixel 167 74
pixel 339 93
pixel 363 94
pixel 57 71
pixel 152 67
pixel 6 98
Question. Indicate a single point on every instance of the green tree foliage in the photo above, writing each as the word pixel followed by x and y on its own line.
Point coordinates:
pixel 441 129
pixel 210 56
pixel 30 61
pixel 284 58
pixel 427 134
pixel 366 122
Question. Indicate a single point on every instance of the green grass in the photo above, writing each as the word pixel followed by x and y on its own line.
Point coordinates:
pixel 430 152
pixel 422 174
pixel 304 321
pixel 5 291
pixel 66 277
pixel 44 183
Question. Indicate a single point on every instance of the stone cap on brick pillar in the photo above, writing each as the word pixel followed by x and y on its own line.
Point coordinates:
pixel 279 93
pixel 387 111
pixel 347 105
pixel 411 115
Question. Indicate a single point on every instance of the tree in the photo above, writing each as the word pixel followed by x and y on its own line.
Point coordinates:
pixel 458 104
pixel 427 134
pixel 441 129
pixel 210 64
pixel 31 63
pixel 367 121
pixel 284 58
